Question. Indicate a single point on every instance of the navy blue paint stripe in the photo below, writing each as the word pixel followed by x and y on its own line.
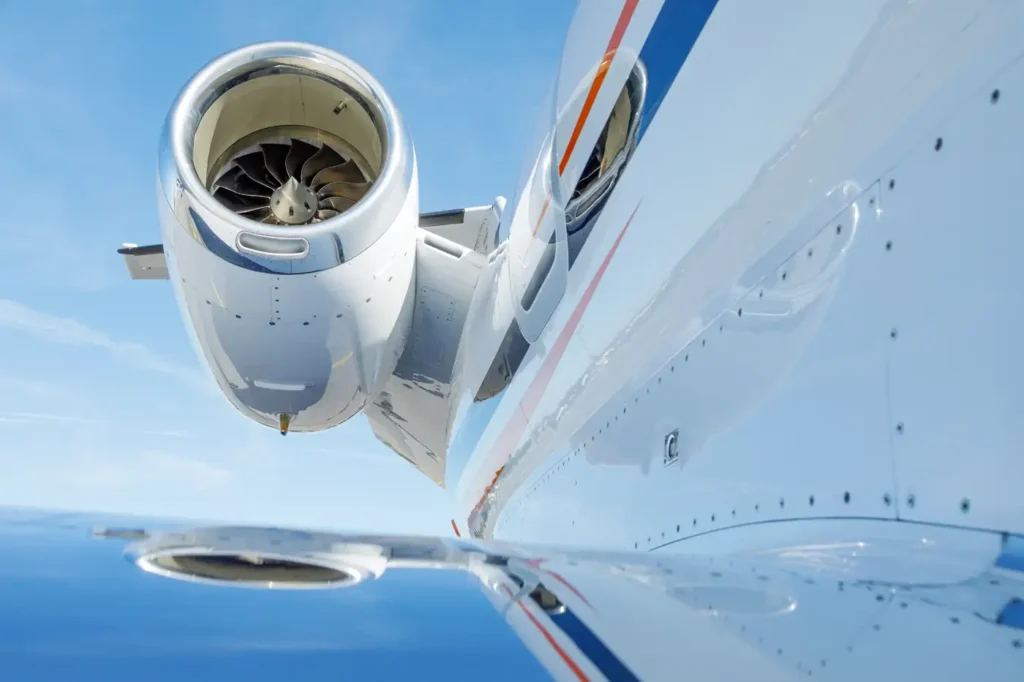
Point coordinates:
pixel 593 648
pixel 669 43
pixel 675 31
pixel 1011 557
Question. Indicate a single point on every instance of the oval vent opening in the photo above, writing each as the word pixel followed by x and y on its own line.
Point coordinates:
pixel 248 569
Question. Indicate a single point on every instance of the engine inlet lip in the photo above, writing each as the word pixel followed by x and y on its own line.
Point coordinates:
pixel 268 59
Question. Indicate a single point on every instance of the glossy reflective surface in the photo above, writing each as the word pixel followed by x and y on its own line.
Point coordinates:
pixel 90 598
pixel 73 607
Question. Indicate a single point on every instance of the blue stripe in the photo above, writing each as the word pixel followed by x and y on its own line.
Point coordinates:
pixel 675 31
pixel 593 648
pixel 1011 557
pixel 673 35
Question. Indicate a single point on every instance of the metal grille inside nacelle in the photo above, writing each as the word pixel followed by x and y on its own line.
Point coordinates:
pixel 289 181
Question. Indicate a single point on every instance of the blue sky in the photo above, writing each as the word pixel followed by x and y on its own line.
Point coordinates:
pixel 103 405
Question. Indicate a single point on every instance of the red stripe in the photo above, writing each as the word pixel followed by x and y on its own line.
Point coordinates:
pixel 456 529
pixel 570 586
pixel 602 71
pixel 535 563
pixel 588 103
pixel 551 640
pixel 516 427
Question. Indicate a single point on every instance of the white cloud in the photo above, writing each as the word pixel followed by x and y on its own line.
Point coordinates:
pixel 39 389
pixel 64 330
pixel 150 469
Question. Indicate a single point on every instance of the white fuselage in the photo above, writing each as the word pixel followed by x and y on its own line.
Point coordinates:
pixel 760 266
pixel 799 300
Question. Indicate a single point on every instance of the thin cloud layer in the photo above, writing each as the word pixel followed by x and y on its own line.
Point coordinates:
pixel 67 331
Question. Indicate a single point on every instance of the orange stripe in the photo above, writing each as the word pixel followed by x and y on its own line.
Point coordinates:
pixel 456 528
pixel 543 212
pixel 595 87
pixel 602 71
pixel 536 563
pixel 570 586
pixel 515 428
pixel 551 640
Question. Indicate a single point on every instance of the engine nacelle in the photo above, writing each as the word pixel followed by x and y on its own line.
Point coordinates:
pixel 288 203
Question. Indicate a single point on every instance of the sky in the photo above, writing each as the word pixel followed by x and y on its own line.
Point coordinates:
pixel 103 404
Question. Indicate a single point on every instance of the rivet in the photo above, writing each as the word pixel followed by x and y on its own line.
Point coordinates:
pixel 338 315
pixel 811 500
pixel 238 317
pixel 887 499
pixel 739 313
pixel 783 277
pixel 305 324
pixel 893 333
pixel 712 518
pixel 686 358
pixel 904 604
pixel 954 620
pixel 810 253
pixel 995 96
pixel 677 527
pixel 892 184
pixel 899 427
pixel 757 507
pixel 846 497
pixel 888 245
pixel 965 505
pixel 760 294
pixel 734 512
pixel 272 324
pixel 1017 644
pixel 703 342
pixel 938 143
pixel 877 627
pixel 695 523
pixel 911 501
pixel 839 229
pixel 782 502
pixel 879 597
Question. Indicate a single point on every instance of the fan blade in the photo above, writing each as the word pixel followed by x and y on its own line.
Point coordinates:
pixel 255 168
pixel 337 203
pixel 350 190
pixel 297 156
pixel 228 177
pixel 324 158
pixel 274 156
pixel 240 183
pixel 346 172
pixel 257 212
pixel 325 213
pixel 239 203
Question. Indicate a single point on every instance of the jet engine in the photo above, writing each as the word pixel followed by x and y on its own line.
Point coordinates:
pixel 289 206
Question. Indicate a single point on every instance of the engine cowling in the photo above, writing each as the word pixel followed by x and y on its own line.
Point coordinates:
pixel 288 203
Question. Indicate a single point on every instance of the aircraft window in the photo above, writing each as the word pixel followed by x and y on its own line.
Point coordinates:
pixel 607 160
